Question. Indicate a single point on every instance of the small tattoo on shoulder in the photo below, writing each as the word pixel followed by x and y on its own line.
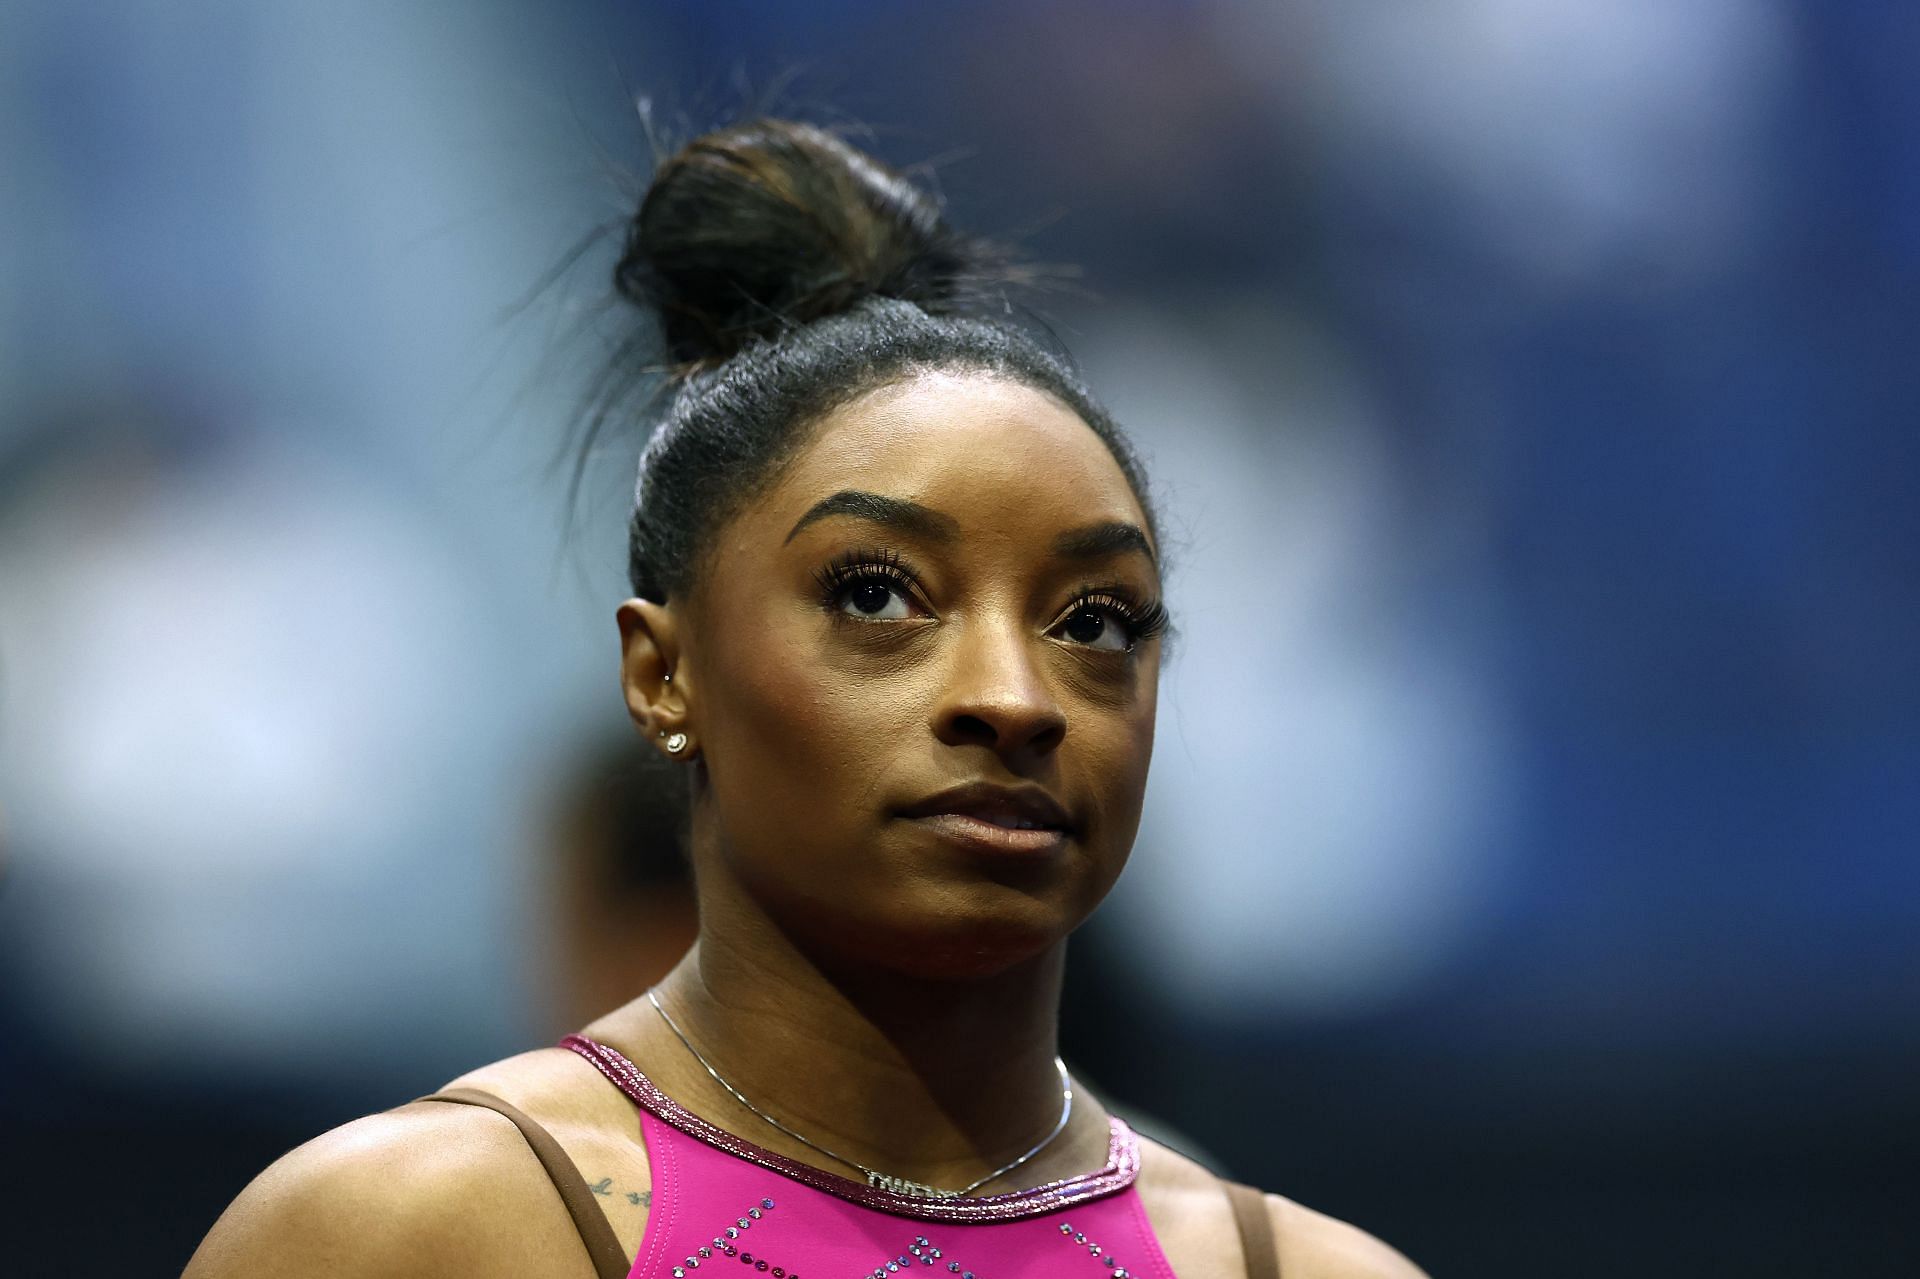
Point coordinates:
pixel 638 1198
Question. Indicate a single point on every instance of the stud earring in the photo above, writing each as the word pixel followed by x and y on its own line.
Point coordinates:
pixel 676 742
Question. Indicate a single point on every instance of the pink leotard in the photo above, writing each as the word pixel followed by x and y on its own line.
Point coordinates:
pixel 723 1206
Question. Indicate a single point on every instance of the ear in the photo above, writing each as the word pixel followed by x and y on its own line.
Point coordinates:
pixel 652 675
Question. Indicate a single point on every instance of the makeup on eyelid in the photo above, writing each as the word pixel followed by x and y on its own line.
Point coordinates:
pixel 854 577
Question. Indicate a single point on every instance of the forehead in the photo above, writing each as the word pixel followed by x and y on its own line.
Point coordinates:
pixel 975 446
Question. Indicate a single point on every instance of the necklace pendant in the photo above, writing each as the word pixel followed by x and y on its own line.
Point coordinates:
pixel 902 1186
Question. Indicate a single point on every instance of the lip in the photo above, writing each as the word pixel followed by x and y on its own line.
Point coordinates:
pixel 1007 819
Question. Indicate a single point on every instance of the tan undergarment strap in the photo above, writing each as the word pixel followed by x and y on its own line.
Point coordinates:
pixel 609 1258
pixel 1256 1230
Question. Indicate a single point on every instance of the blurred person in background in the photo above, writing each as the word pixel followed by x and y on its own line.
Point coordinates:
pixel 897 614
pixel 619 882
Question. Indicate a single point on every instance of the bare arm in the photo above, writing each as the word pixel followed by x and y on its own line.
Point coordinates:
pixel 1191 1216
pixel 426 1191
pixel 1315 1246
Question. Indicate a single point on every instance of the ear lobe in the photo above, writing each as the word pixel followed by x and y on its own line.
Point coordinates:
pixel 650 676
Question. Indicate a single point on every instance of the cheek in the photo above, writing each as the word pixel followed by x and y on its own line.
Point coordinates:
pixel 1117 756
pixel 795 743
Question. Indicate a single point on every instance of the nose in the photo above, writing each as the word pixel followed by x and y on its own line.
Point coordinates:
pixel 998 696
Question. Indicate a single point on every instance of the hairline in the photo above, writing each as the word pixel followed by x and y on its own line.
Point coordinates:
pixel 806 427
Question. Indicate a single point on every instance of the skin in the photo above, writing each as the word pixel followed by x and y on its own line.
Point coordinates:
pixel 883 977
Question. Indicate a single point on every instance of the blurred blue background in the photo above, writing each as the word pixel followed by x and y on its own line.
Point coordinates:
pixel 1530 867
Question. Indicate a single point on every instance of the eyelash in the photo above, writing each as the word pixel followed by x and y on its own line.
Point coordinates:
pixel 856 566
pixel 1143 620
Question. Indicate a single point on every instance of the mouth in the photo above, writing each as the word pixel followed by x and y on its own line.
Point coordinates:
pixel 1004 819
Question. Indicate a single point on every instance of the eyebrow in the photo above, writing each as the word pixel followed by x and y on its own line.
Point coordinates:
pixel 877 508
pixel 1091 542
pixel 1097 541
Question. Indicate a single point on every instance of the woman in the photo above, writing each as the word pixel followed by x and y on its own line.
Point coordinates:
pixel 897 615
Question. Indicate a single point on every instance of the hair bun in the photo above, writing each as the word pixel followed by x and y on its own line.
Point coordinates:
pixel 752 229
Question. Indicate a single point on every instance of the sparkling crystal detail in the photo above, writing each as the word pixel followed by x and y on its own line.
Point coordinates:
pixel 906 1186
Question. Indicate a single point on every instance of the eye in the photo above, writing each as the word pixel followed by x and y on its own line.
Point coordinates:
pixel 1109 622
pixel 874 598
pixel 871 586
pixel 1096 628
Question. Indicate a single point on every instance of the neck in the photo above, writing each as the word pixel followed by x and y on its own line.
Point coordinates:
pixel 937 1081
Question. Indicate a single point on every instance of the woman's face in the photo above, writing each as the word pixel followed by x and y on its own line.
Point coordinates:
pixel 920 671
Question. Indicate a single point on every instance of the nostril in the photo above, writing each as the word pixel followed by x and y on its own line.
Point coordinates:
pixel 1048 738
pixel 973 729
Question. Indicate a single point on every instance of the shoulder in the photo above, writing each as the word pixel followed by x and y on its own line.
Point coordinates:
pixel 423 1190
pixel 1193 1219
pixel 1314 1244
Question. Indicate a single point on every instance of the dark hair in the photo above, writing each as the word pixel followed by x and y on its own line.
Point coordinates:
pixel 789 273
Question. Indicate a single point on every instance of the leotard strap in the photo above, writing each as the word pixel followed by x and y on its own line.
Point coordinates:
pixel 609 1258
pixel 1256 1230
